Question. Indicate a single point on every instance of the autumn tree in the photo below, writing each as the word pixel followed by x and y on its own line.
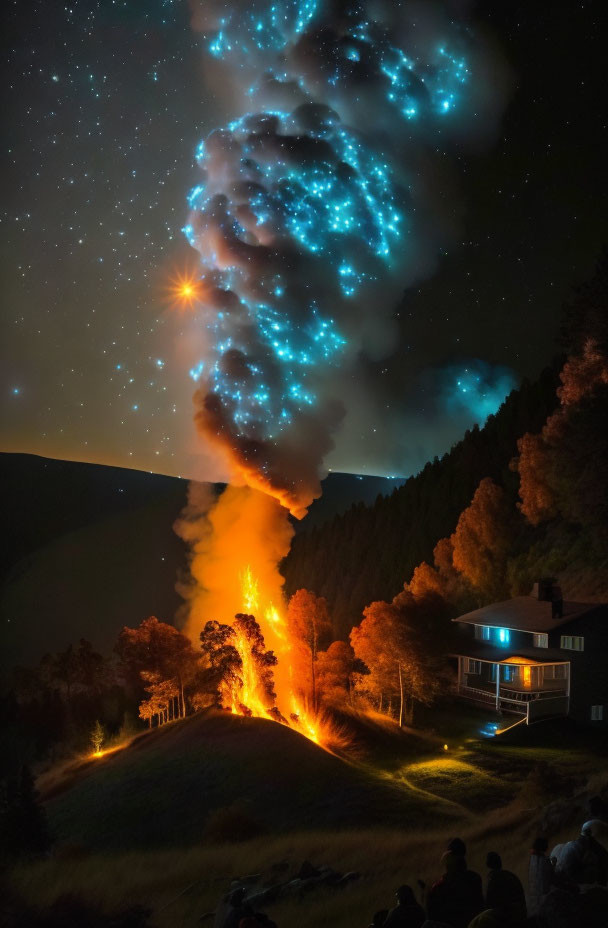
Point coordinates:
pixel 562 469
pixel 163 702
pixel 158 649
pixel 442 580
pixel 337 670
pixel 309 624
pixel 483 539
pixel 403 659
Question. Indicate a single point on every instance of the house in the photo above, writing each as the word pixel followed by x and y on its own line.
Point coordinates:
pixel 537 657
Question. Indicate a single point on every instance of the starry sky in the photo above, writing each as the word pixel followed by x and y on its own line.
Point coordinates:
pixel 106 103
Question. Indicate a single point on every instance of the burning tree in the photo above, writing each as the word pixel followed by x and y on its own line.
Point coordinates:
pixel 240 666
pixel 225 663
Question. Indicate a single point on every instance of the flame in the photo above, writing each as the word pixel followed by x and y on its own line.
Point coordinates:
pixel 275 620
pixel 250 591
pixel 237 544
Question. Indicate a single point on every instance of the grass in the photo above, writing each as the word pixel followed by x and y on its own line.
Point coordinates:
pixel 384 858
pixel 163 789
pixel 459 782
pixel 142 825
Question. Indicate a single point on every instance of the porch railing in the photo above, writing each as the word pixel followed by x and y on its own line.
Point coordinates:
pixel 535 704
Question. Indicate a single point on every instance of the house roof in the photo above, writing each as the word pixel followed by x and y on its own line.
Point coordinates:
pixel 525 613
pixel 482 651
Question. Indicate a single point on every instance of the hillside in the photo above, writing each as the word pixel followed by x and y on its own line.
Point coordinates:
pixel 369 551
pixel 91 548
pixel 161 790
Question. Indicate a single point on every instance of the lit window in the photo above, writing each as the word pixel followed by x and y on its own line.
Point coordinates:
pixel 504 635
pixel 482 632
pixel 541 641
pixel 572 643
pixel 597 713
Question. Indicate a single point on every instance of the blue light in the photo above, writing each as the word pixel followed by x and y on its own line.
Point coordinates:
pixel 342 203
pixel 489 730
pixel 428 82
pixel 197 371
pixel 298 215
pixel 504 635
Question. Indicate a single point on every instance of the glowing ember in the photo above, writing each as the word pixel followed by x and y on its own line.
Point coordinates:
pixel 185 290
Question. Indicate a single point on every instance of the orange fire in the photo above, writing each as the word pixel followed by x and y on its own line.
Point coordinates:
pixel 237 546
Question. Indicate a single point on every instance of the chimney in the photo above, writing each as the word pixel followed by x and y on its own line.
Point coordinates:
pixel 542 589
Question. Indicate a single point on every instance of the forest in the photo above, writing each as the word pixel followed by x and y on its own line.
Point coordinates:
pixel 553 428
pixel 371 594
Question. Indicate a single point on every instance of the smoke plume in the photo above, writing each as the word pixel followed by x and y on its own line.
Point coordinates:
pixel 322 197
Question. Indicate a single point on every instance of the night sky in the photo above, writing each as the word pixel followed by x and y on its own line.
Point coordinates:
pixel 105 105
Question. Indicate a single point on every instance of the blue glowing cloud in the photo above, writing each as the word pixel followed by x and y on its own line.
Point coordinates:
pixel 307 228
pixel 411 66
pixel 475 389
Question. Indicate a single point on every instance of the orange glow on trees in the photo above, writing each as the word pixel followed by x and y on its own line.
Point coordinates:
pixel 483 537
pixel 399 645
pixel 97 737
pixel 554 466
pixel 309 627
pixel 162 659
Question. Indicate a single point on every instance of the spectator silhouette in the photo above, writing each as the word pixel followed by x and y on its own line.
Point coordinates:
pixel 457 847
pixel 597 824
pixel 540 875
pixel 505 892
pixel 583 861
pixel 407 913
pixel 456 898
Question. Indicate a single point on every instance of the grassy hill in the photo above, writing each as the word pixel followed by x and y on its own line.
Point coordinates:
pixel 133 826
pixel 164 789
